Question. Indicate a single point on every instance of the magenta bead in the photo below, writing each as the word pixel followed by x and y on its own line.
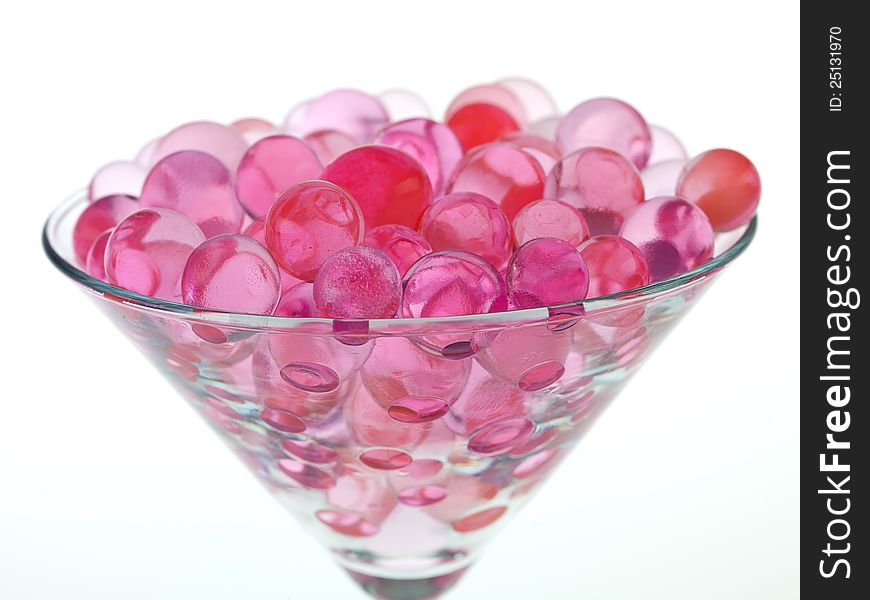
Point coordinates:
pixel 297 302
pixel 614 265
pixel 537 102
pixel 197 185
pixel 433 144
pixel 543 150
pixel 253 129
pixel 355 113
pixel 606 123
pixel 233 273
pixel 95 259
pixel 494 94
pixel 257 231
pixel 358 283
pixel 403 245
pixel 550 218
pixel 665 146
pixel 222 142
pixel 147 252
pixel 673 235
pixel 121 177
pixel 602 184
pixel 546 271
pixel 329 144
pixel 97 217
pixel 308 223
pixel 660 179
pixel 271 166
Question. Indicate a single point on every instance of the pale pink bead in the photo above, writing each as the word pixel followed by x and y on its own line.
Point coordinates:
pixel 271 166
pixel 543 150
pixel 673 235
pixel 665 146
pixel 502 172
pixel 121 177
pixel 614 265
pixel 329 144
pixel 601 183
pixel 254 129
pixel 464 493
pixel 546 128
pixel 95 259
pixel 256 230
pixel 308 223
pixel 660 179
pixel 402 104
pixel 371 425
pixel 550 218
pixel 546 271
pixel 358 283
pixel 99 216
pixel 224 143
pixel 148 250
pixel 493 94
pixel 314 364
pixel 485 400
pixel 403 245
pixel 433 144
pixel 470 222
pixel 232 273
pixel 537 102
pixel 606 123
pixel 198 185
pixel 366 494
pixel 145 156
pixel 297 302
pixel 350 111
pixel 530 357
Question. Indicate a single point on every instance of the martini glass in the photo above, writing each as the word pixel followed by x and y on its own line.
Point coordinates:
pixel 402 445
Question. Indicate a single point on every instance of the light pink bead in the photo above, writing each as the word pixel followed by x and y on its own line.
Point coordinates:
pixel 493 94
pixel 543 150
pixel 270 167
pixel 402 104
pixel 358 283
pixel 145 156
pixel 601 183
pixel 403 245
pixel 350 111
pixel 546 128
pixel 365 494
pixel 233 273
pixel 665 146
pixel 308 223
pixel 254 129
pixel 329 144
pixel 606 123
pixel 464 493
pixel 660 179
pixel 99 216
pixel 614 265
pixel 148 250
pixel 673 235
pixel 256 230
pixel 121 177
pixel 470 222
pixel 297 302
pixel 224 143
pixel 198 185
pixel 433 144
pixel 546 271
pixel 550 218
pixel 484 400
pixel 537 102
pixel 95 260
pixel 530 357
pixel 502 172
pixel 371 425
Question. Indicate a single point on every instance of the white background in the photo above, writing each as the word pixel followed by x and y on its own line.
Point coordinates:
pixel 109 486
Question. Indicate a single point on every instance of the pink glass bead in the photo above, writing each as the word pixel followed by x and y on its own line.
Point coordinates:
pixel 121 177
pixel 385 459
pixel 601 183
pixel 308 223
pixel 543 150
pixel 660 179
pixel 496 95
pixel 233 273
pixel 464 493
pixel 673 235
pixel 422 495
pixel 99 216
pixel 402 104
pixel 145 156
pixel 470 222
pixel 485 400
pixel 371 425
pixel 271 166
pixel 148 250
pixel 550 218
pixel 724 184
pixel 433 144
pixel 478 124
pixel 197 185
pixel 358 283
pixel 537 102
pixel 222 142
pixel 614 265
pixel 355 113
pixel 95 259
pixel 257 230
pixel 530 357
pixel 253 129
pixel 503 173
pixel 364 493
pixel 546 128
pixel 546 271
pixel 404 246
pixel 606 123
pixel 297 302
pixel 389 185
pixel 329 144
pixel 665 146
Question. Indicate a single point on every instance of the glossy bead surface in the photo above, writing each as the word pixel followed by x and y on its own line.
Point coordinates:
pixel 614 265
pixel 546 271
pixel 222 142
pixel 358 283
pixel 99 216
pixel 550 218
pixel 660 179
pixel 329 144
pixel 606 123
pixel 122 177
pixel 493 94
pixel 477 124
pixel 433 144
pixel 403 245
pixel 353 112
pixel 536 101
pixel 665 146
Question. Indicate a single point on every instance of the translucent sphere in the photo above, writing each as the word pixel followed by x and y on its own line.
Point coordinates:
pixel 536 101
pixel 660 179
pixel 478 124
pixel 550 218
pixel 614 265
pixel 224 143
pixel 329 144
pixel 254 129
pixel 546 271
pixel 402 104
pixel 665 146
pixel 122 177
pixel 403 245
pixel 99 216
pixel 353 112
pixel 358 283
pixel 606 123
pixel 500 96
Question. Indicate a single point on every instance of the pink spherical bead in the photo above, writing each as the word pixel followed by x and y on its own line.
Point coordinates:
pixel 673 235
pixel 546 271
pixel 492 94
pixel 503 173
pixel 601 183
pixel 355 113
pixel 665 146
pixel 233 273
pixel 660 179
pixel 358 283
pixel 147 252
pixel 530 357
pixel 433 144
pixel 222 142
pixel 614 265
pixel 254 129
pixel 308 223
pixel 298 302
pixel 95 260
pixel 99 216
pixel 470 222
pixel 402 104
pixel 256 230
pixel 546 128
pixel 478 124
pixel 389 185
pixel 724 184
pixel 606 123
pixel 271 166
pixel 543 150
pixel 121 177
pixel 537 102
pixel 198 185
pixel 404 246
pixel 550 218
pixel 329 144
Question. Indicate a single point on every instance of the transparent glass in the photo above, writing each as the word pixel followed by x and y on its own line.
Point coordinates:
pixel 402 445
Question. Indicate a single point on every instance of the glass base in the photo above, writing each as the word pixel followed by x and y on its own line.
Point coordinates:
pixel 427 588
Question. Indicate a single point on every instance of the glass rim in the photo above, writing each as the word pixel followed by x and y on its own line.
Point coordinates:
pixel 405 325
